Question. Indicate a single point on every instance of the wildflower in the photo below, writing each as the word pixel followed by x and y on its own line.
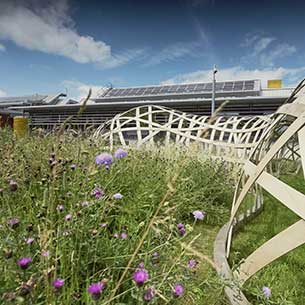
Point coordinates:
pixel 140 276
pixel 141 265
pixel 115 235
pixel 13 222
pixel 95 290
pixel 98 193
pixel 149 294
pixel 120 153
pixel 181 228
pixel 24 262
pixel 124 235
pixel 199 215
pixel 58 283
pixel 117 196
pixel 68 217
pixel 45 253
pixel 104 159
pixel 73 166
pixel 84 204
pixel 178 289
pixel 29 240
pixel 266 292
pixel 60 208
pixel 192 263
pixel 104 225
pixel 13 186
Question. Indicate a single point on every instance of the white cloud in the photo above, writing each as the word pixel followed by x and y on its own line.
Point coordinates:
pixel 290 76
pixel 175 51
pixel 78 90
pixel 2 93
pixel 264 50
pixel 2 48
pixel 47 27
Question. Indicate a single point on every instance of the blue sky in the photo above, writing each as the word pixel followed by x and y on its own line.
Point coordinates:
pixel 50 46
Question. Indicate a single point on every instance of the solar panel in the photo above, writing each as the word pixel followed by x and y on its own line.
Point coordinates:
pixel 230 86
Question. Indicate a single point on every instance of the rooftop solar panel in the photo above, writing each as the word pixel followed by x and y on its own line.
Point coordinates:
pixel 230 86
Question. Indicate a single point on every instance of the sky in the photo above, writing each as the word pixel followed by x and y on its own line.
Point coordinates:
pixel 69 46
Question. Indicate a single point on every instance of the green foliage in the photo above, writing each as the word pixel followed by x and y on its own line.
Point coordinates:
pixel 81 251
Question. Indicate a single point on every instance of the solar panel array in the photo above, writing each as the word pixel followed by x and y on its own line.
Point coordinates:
pixel 233 86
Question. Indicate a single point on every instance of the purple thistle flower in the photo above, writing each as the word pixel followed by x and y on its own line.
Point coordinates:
pixel 192 263
pixel 140 276
pixel 45 253
pixel 24 262
pixel 120 153
pixel 68 217
pixel 95 290
pixel 199 215
pixel 60 208
pixel 104 159
pixel 178 289
pixel 123 235
pixel 98 193
pixel 149 294
pixel 115 235
pixel 141 265
pixel 156 254
pixel 13 222
pixel 266 292
pixel 13 186
pixel 181 229
pixel 29 240
pixel 117 196
pixel 58 283
pixel 104 225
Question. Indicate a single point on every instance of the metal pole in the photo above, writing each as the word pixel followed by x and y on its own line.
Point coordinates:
pixel 213 90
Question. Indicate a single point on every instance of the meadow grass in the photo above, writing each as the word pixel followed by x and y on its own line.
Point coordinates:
pixel 48 213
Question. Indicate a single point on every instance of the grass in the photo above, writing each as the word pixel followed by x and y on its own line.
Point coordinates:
pixel 160 188
pixel 284 276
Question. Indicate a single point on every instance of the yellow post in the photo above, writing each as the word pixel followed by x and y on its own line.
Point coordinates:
pixel 20 126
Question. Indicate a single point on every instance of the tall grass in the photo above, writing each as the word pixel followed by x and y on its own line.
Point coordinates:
pixel 55 206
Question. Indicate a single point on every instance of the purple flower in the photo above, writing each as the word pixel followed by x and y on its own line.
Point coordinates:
pixel 68 217
pixel 149 294
pixel 13 222
pixel 73 166
pixel 13 186
pixel 98 193
pixel 181 228
pixel 192 263
pixel 178 289
pixel 58 283
pixel 141 265
pixel 104 225
pixel 24 262
pixel 199 215
pixel 115 235
pixel 120 153
pixel 29 240
pixel 95 290
pixel 123 235
pixel 117 196
pixel 140 276
pixel 104 159
pixel 266 292
pixel 45 253
pixel 60 207
pixel 156 254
